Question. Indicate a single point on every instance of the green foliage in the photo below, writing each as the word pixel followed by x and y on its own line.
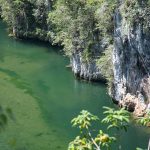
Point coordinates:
pixel 80 28
pixel 118 119
pixel 140 149
pixel 84 119
pixel 24 17
pixel 145 121
pixel 18 15
pixel 104 16
pixel 88 141
pixel 104 140
pixel 137 11
pixel 105 64
pixel 61 25
pixel 80 144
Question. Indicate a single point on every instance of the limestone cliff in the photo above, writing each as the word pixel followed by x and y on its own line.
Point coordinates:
pixel 131 62
pixel 85 70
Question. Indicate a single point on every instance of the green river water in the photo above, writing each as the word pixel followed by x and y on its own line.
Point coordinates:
pixel 44 96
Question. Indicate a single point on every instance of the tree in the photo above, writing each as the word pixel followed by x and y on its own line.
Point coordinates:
pixel 118 119
pixel 99 140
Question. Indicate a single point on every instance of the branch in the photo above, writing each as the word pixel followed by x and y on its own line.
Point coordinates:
pixel 90 135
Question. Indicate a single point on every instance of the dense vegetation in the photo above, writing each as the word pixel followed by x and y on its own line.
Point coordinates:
pixel 84 27
pixel 26 18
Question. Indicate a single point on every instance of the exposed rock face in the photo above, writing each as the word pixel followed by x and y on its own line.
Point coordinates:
pixel 85 70
pixel 88 69
pixel 132 104
pixel 131 59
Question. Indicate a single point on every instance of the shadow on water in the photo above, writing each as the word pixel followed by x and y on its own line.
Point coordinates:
pixel 36 42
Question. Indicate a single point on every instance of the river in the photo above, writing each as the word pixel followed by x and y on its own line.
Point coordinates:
pixel 44 96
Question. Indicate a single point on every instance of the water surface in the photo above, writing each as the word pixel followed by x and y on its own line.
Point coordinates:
pixel 44 96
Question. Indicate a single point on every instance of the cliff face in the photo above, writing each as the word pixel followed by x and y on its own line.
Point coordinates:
pixel 85 70
pixel 131 63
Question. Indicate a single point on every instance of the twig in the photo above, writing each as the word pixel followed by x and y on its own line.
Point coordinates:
pixel 89 133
